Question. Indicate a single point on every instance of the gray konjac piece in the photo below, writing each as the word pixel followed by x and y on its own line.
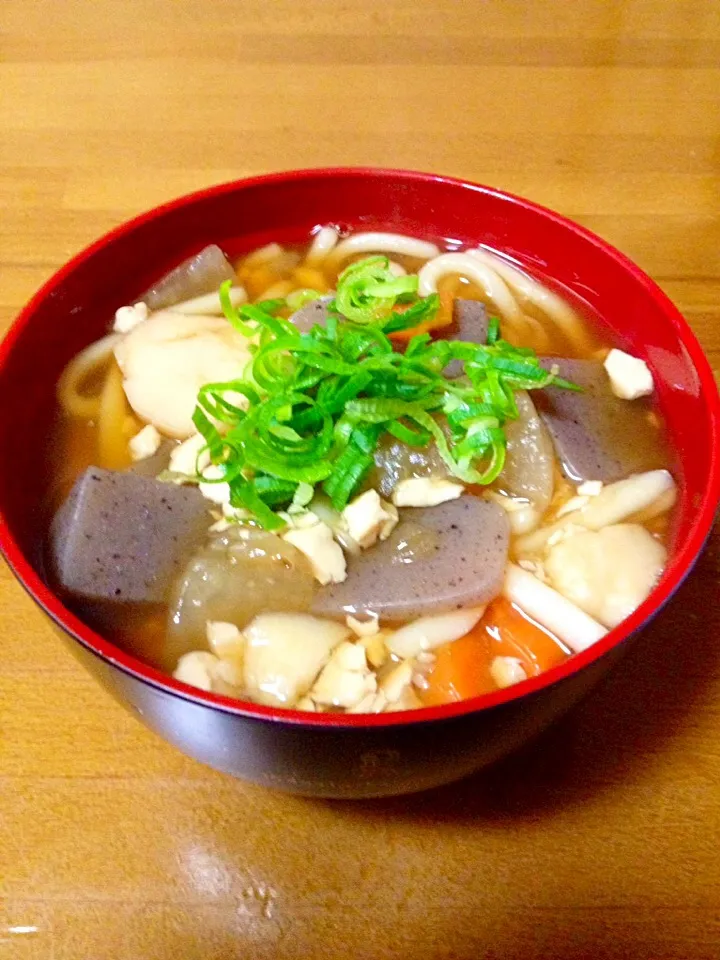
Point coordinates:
pixel 314 312
pixel 437 559
pixel 122 537
pixel 597 435
pixel 470 325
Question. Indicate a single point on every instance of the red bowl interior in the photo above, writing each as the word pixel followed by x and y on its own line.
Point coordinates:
pixel 75 307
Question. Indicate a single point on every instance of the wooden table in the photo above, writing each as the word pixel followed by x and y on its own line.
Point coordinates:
pixel 601 841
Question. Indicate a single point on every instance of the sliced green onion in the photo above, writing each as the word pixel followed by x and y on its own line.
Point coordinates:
pixel 312 407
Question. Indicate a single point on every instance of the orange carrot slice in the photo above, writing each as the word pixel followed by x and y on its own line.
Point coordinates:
pixel 462 668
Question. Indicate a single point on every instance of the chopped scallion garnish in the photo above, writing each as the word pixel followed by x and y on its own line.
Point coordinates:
pixel 313 406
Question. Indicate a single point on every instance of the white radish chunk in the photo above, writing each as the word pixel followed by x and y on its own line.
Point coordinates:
pixel 529 464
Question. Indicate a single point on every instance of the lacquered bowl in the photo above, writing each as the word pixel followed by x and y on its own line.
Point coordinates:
pixel 326 754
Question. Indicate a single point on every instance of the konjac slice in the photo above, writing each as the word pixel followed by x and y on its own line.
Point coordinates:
pixel 470 325
pixel 597 435
pixel 121 538
pixel 452 556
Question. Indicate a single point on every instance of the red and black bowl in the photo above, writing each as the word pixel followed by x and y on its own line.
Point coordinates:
pixel 329 754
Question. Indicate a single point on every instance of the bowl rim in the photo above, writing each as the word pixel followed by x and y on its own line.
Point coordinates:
pixel 677 570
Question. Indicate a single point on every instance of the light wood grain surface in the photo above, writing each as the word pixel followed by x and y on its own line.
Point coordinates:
pixel 601 841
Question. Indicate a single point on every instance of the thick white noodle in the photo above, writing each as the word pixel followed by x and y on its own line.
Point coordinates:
pixel 324 241
pixel 271 251
pixel 208 305
pixel 615 503
pixel 88 361
pixel 397 243
pixel 551 610
pixel 427 633
pixel 555 308
pixel 463 265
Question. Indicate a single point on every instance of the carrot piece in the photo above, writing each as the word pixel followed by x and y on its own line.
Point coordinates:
pixel 447 291
pixel 462 668
pixel 514 635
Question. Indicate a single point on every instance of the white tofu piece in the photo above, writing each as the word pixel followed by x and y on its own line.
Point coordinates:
pixel 425 492
pixel 346 680
pixel 350 656
pixel 369 518
pixel 235 513
pixel 364 628
pixel 375 648
pixel 145 443
pixel 300 520
pixel 397 680
pixel 408 700
pixel 630 376
pixel 224 638
pixel 590 488
pixel 220 525
pixel 285 652
pixel 197 669
pixel 325 555
pixel 184 458
pixel 215 492
pixel 507 671
pixel 372 703
pixel 128 317
pixel 227 677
